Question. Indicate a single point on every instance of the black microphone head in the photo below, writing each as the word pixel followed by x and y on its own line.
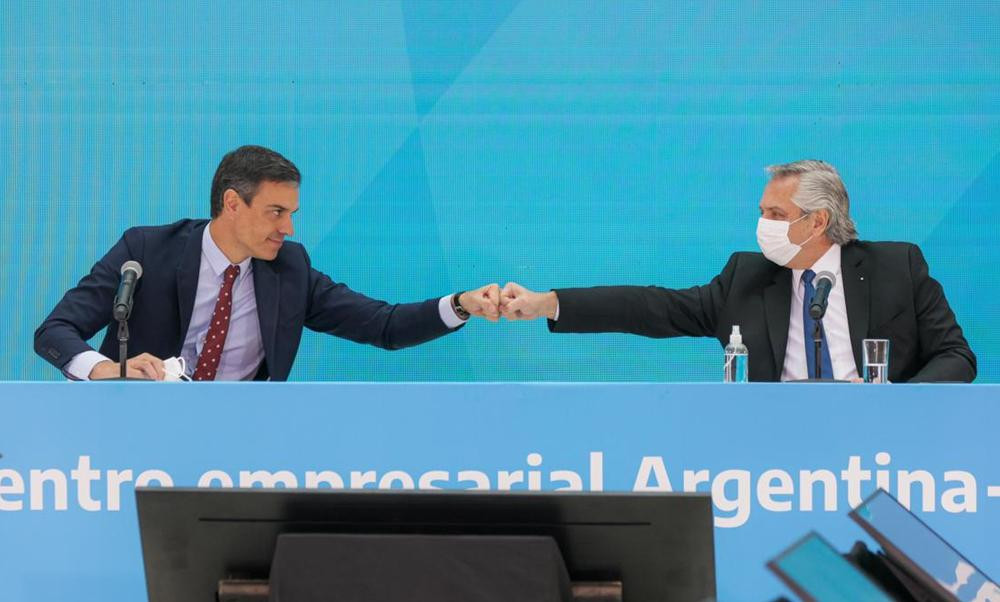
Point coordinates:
pixel 135 266
pixel 817 306
pixel 826 276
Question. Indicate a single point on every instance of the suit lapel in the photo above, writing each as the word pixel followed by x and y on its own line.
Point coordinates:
pixel 856 295
pixel 777 304
pixel 266 283
pixel 187 278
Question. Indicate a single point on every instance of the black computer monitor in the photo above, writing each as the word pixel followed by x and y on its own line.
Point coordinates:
pixel 921 552
pixel 659 545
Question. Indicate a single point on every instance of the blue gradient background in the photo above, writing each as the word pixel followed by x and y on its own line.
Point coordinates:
pixel 445 145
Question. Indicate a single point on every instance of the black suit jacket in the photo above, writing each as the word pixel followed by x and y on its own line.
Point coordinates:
pixel 289 293
pixel 888 291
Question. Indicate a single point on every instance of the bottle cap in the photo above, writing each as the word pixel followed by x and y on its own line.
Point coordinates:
pixel 736 338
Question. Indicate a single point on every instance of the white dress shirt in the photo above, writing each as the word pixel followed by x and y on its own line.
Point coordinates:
pixel 244 349
pixel 838 335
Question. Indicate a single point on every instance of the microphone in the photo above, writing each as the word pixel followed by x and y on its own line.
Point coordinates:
pixel 824 283
pixel 131 272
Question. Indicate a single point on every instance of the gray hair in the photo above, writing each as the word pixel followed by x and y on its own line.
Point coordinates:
pixel 820 188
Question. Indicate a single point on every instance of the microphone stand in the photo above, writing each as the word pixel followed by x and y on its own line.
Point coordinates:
pixel 123 347
pixel 818 347
pixel 123 336
pixel 123 351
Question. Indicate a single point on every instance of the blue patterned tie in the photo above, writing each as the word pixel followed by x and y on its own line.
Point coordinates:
pixel 809 324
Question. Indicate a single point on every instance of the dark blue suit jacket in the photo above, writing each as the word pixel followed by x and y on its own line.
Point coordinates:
pixel 290 294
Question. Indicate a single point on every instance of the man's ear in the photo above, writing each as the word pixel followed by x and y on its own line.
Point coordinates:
pixel 230 201
pixel 822 220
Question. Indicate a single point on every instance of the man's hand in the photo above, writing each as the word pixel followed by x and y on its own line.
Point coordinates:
pixel 143 366
pixel 519 303
pixel 483 302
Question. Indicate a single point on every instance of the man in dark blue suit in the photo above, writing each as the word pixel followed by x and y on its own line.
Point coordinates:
pixel 231 295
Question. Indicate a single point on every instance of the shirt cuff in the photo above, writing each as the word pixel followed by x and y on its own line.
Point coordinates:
pixel 82 363
pixel 448 315
pixel 555 317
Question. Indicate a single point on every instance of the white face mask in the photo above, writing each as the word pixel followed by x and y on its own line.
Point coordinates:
pixel 175 368
pixel 772 236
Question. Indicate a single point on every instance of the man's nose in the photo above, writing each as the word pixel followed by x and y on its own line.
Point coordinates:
pixel 287 228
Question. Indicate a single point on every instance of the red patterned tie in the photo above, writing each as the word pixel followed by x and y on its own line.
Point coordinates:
pixel 215 340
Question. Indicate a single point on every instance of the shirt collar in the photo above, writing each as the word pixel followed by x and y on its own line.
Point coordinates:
pixel 829 262
pixel 217 259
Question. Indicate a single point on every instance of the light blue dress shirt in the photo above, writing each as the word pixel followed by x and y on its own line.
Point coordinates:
pixel 244 348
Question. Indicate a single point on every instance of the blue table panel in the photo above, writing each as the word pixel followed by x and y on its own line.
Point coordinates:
pixel 934 444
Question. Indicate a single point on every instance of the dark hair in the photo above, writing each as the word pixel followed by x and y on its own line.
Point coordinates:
pixel 245 168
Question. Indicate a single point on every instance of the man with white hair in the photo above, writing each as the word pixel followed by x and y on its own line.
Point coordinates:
pixel 883 290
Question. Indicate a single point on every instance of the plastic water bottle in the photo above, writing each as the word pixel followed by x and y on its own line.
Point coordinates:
pixel 735 370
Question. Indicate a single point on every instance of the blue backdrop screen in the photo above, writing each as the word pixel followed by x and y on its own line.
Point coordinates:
pixel 445 145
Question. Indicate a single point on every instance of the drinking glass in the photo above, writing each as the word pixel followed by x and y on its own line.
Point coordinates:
pixel 876 360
